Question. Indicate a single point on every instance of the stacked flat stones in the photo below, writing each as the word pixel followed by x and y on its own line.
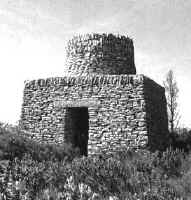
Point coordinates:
pixel 100 54
pixel 124 109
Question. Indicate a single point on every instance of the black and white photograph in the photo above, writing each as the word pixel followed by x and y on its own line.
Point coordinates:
pixel 95 100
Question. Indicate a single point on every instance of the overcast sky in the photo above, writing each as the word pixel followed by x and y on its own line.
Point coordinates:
pixel 33 35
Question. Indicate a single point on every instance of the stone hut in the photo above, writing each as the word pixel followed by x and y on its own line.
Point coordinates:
pixel 101 105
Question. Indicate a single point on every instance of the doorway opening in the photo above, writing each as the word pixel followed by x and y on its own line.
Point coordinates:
pixel 77 127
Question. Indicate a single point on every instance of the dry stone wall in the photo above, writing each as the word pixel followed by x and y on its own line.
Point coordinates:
pixel 124 110
pixel 98 106
pixel 156 114
pixel 100 54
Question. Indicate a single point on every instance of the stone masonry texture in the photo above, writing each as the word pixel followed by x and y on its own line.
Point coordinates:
pixel 100 54
pixel 101 105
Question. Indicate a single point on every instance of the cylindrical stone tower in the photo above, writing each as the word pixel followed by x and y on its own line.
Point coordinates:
pixel 100 54
pixel 101 105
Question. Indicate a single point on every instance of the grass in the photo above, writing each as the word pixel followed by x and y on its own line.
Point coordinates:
pixel 33 171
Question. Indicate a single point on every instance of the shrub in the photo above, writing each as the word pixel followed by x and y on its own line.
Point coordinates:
pixel 105 176
pixel 45 171
pixel 15 145
pixel 181 139
pixel 111 177
pixel 171 162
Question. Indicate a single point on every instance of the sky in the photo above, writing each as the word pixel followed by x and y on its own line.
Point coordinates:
pixel 34 33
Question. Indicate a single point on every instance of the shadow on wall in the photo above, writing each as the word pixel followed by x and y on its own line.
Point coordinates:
pixel 156 116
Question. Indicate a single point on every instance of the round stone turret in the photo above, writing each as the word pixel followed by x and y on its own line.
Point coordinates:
pixel 100 54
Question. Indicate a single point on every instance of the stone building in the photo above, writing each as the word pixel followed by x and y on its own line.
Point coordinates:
pixel 101 104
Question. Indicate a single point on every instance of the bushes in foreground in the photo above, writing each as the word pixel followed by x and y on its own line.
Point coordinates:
pixel 123 176
pixel 32 171
pixel 16 146
pixel 84 178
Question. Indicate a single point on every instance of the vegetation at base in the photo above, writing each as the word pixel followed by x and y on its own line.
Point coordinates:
pixel 14 145
pixel 32 171
pixel 181 139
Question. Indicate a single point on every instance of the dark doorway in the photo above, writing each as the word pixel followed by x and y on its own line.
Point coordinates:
pixel 77 126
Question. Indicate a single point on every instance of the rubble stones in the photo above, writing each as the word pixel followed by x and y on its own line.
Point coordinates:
pixel 124 109
pixel 127 114
pixel 100 54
